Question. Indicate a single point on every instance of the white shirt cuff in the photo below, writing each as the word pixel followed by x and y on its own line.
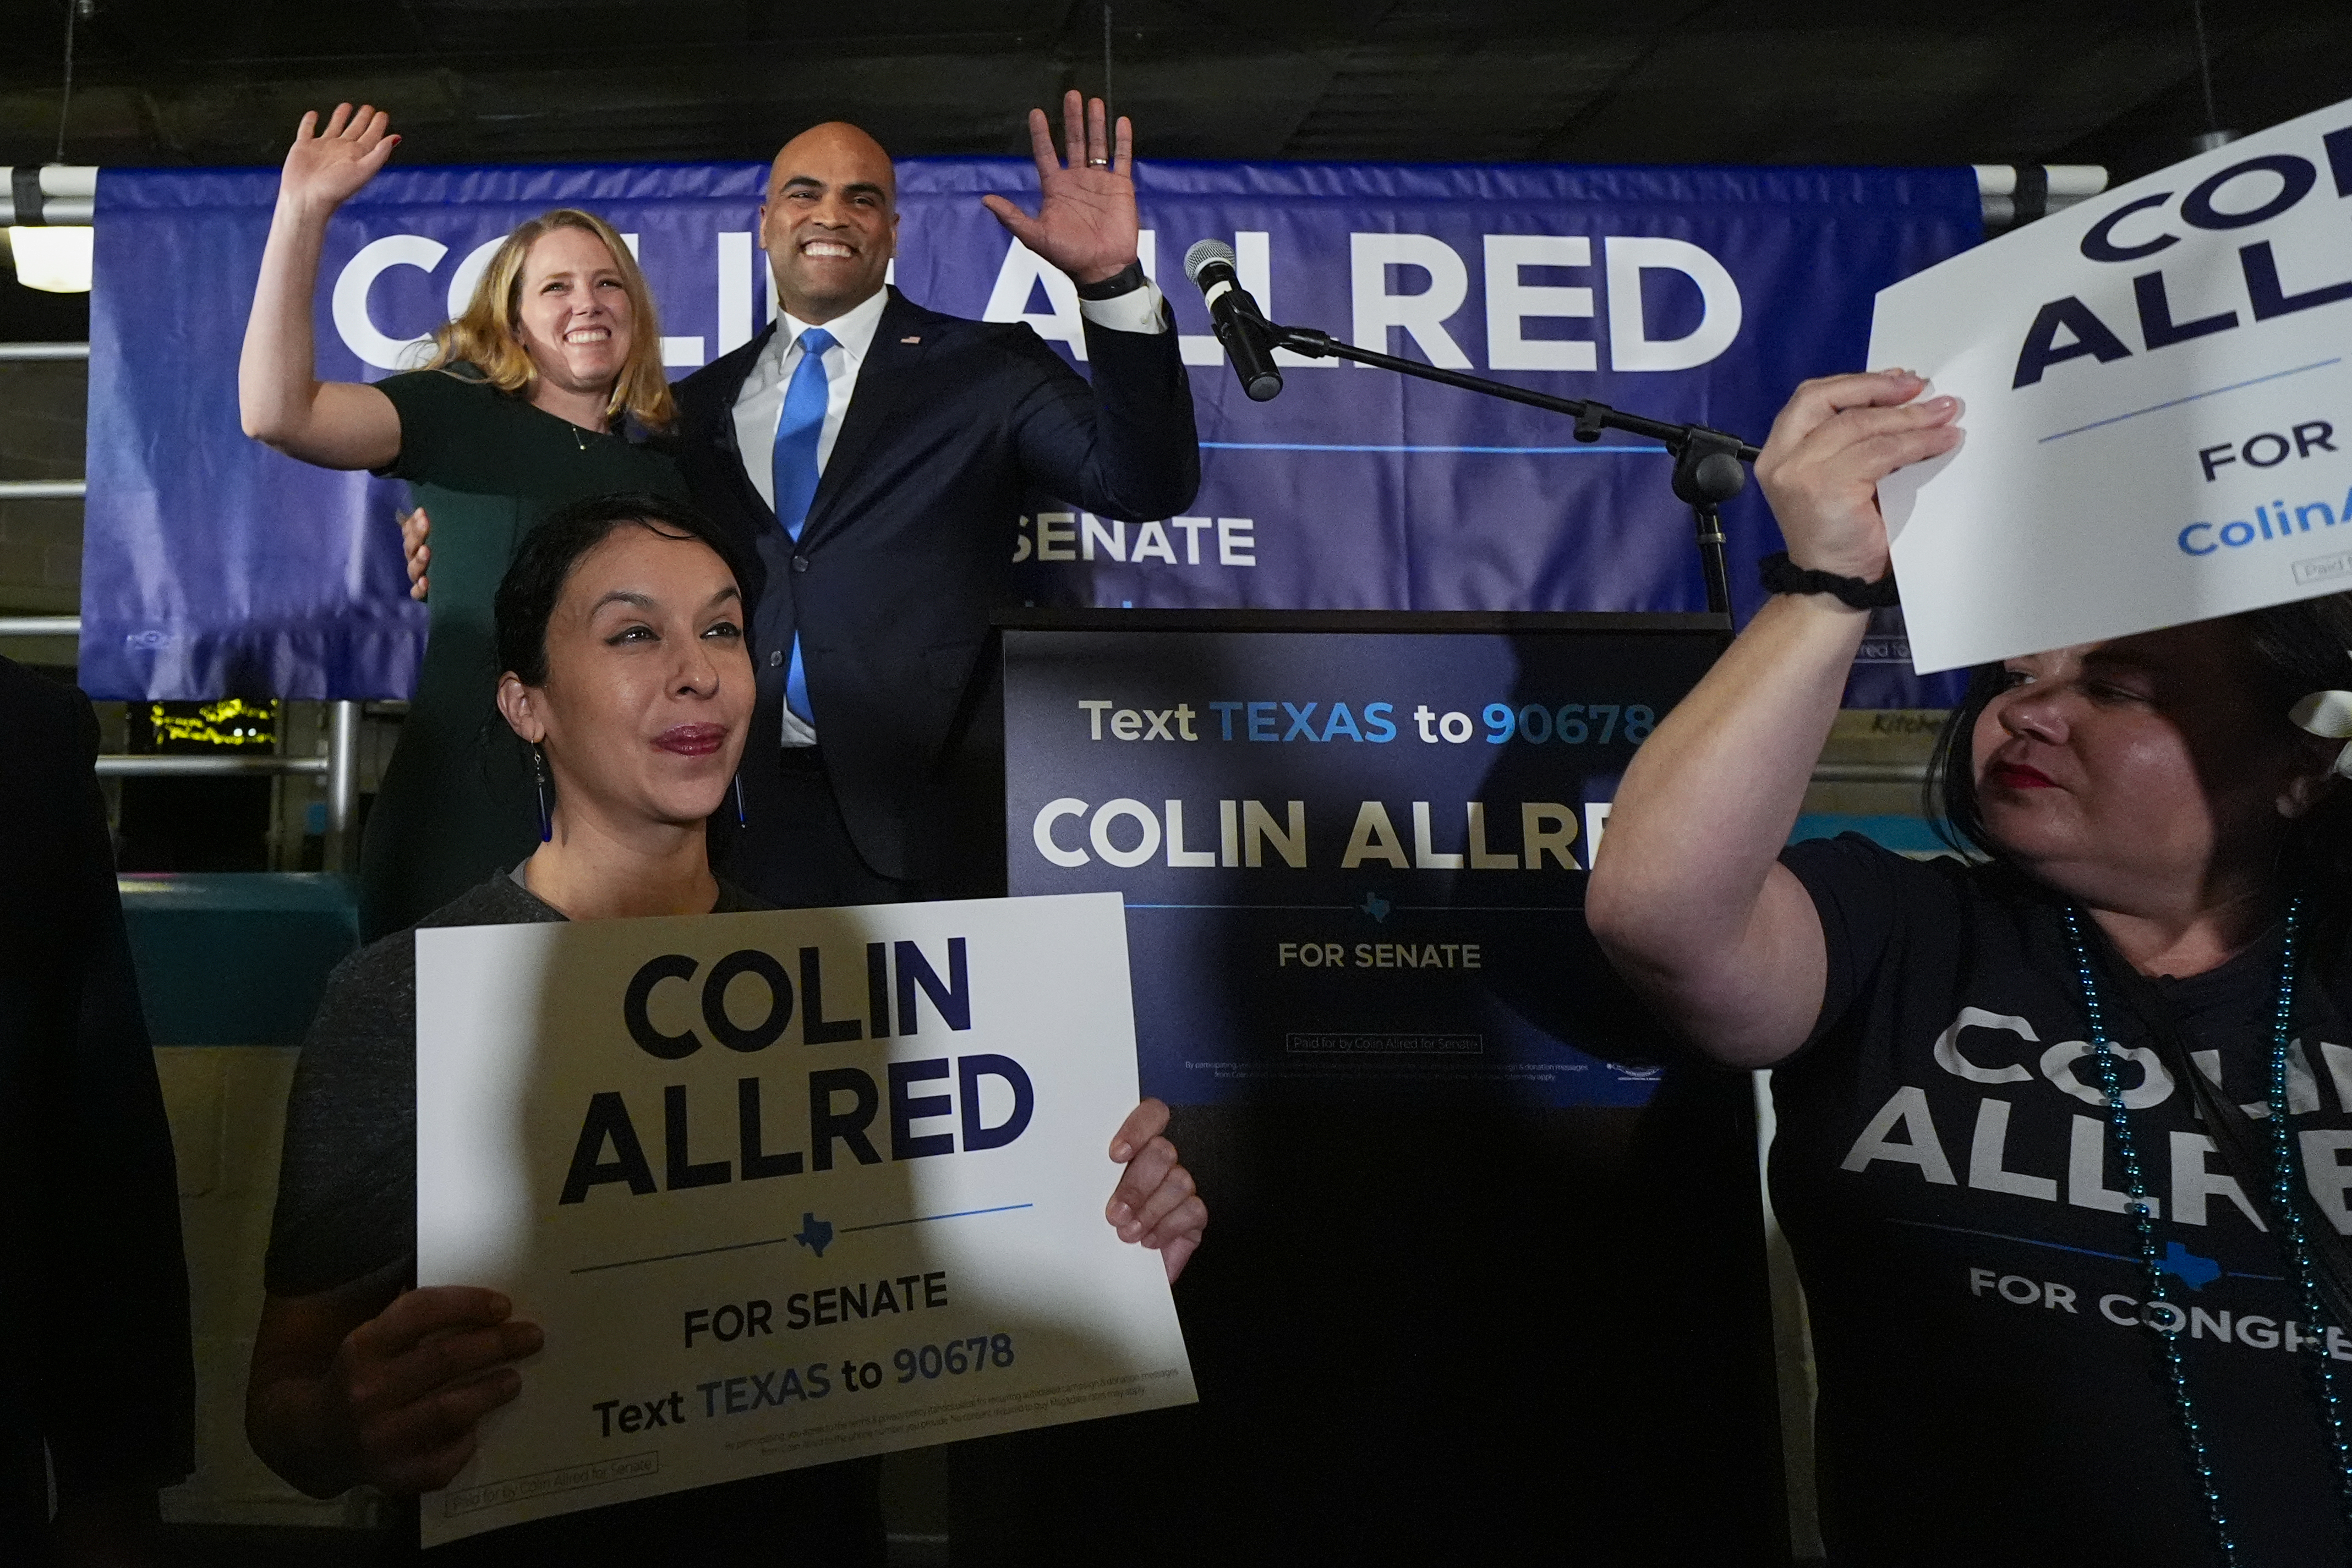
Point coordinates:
pixel 1136 310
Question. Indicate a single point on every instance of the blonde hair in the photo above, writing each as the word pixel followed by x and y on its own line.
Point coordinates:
pixel 489 334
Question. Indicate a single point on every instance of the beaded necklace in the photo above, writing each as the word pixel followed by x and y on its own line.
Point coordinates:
pixel 2284 1203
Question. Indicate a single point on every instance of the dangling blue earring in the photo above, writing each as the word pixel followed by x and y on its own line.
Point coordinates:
pixel 538 783
pixel 738 799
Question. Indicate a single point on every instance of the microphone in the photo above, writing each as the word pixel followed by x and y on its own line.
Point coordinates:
pixel 1241 325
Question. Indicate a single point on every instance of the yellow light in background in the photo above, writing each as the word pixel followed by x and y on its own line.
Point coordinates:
pixel 233 723
pixel 53 257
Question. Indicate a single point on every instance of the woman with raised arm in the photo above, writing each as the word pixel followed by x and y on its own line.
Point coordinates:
pixel 2063 1127
pixel 620 629
pixel 541 392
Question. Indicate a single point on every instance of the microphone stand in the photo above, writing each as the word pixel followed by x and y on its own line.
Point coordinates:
pixel 1707 463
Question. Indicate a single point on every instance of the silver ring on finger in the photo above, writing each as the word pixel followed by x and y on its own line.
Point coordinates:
pixel 1097 162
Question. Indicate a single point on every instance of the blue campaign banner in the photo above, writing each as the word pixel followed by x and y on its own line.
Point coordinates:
pixel 1353 847
pixel 213 566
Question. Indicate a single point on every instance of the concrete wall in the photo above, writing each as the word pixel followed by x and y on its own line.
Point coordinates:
pixel 227 1104
pixel 41 438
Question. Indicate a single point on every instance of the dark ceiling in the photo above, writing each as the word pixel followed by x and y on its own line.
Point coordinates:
pixel 1748 82
pixel 1741 82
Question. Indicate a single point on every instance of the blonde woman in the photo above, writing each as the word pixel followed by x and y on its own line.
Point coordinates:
pixel 541 394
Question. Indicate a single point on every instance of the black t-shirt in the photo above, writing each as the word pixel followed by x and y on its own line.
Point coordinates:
pixel 1945 1172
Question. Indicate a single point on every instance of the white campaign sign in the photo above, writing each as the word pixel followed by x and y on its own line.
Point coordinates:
pixel 2156 390
pixel 782 1188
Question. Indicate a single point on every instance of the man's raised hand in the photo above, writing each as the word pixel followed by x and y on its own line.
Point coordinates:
pixel 323 171
pixel 1085 222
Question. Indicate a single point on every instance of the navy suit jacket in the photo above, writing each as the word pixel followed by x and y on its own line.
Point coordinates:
pixel 907 548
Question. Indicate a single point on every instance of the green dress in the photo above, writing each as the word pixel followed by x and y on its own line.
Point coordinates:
pixel 456 801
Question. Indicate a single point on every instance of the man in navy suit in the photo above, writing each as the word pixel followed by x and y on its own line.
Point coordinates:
pixel 879 478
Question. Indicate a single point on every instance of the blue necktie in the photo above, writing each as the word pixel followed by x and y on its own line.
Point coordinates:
pixel 798 429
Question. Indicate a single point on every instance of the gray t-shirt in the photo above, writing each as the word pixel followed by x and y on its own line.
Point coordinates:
pixel 347 1178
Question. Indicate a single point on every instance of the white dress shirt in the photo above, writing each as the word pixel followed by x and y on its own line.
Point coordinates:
pixel 760 403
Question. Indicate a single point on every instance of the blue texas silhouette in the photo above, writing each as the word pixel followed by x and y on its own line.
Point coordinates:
pixel 816 1235
pixel 1375 905
pixel 2191 1270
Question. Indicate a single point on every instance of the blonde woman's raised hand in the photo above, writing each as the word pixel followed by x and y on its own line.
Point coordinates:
pixel 281 399
pixel 327 165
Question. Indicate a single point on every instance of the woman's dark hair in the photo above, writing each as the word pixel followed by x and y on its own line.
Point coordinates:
pixel 2297 648
pixel 534 581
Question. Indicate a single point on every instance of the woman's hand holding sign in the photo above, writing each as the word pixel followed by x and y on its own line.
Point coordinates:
pixel 343 1395
pixel 1835 440
pixel 1155 1202
pixel 410 1385
pixel 1690 901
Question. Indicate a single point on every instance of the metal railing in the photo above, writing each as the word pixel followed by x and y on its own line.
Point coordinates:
pixel 230 766
pixel 338 769
pixel 1870 773
pixel 41 626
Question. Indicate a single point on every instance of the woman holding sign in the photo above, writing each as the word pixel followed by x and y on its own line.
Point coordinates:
pixel 541 392
pixel 2066 1190
pixel 620 626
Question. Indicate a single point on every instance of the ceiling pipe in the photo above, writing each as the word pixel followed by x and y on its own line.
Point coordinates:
pixel 2014 194
pixel 33 195
pixel 46 210
pixel 2011 194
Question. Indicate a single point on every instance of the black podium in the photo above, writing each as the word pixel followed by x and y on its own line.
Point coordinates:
pixel 1485 1276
